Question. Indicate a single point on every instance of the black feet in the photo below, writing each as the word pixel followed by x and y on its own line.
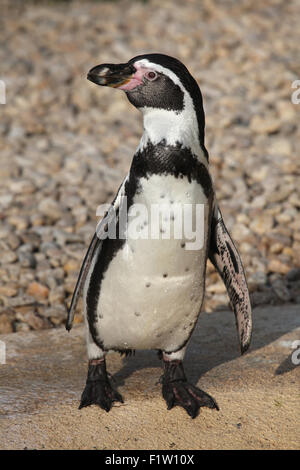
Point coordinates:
pixel 178 392
pixel 98 389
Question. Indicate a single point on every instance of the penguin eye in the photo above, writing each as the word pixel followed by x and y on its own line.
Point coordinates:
pixel 151 75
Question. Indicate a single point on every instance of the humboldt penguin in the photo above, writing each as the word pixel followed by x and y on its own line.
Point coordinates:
pixel 143 277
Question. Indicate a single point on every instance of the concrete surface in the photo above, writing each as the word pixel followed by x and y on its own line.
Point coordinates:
pixel 258 394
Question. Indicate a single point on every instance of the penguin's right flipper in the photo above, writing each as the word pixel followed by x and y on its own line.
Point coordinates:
pixel 226 259
pixel 94 250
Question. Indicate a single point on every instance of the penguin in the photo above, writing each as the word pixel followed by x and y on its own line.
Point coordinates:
pixel 146 291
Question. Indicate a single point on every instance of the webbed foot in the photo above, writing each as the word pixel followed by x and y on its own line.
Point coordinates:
pixel 98 389
pixel 177 391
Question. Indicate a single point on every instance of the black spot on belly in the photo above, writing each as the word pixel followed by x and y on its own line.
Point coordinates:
pixel 148 284
pixel 165 274
pixel 182 244
pixel 137 314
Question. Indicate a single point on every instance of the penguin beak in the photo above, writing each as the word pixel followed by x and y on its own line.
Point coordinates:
pixel 113 75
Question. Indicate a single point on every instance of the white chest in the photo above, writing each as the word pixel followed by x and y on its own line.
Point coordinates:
pixel 152 291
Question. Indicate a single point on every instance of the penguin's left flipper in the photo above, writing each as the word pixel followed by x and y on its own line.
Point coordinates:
pixel 226 259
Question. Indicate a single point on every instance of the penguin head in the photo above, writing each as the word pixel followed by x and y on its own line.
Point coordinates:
pixel 155 82
pixel 149 81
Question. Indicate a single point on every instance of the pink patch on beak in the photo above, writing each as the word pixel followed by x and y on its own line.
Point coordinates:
pixel 135 81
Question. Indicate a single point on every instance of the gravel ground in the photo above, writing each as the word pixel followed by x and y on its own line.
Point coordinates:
pixel 66 144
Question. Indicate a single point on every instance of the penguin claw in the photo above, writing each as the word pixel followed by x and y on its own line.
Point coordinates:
pixel 101 394
pixel 177 391
pixel 98 389
pixel 181 393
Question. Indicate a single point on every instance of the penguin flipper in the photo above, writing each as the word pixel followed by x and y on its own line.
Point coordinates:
pixel 226 259
pixel 81 279
pixel 93 250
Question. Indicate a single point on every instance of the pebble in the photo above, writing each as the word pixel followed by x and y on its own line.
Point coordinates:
pixel 277 266
pixel 262 224
pixel 67 145
pixel 38 291
pixel 293 275
pixel 281 290
pixel 8 290
pixel 6 322
pixel 8 256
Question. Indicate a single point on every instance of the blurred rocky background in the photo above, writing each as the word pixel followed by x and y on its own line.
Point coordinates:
pixel 66 144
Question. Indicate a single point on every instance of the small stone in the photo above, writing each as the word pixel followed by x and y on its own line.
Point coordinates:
pixel 217 288
pixel 27 260
pixel 264 126
pixel 277 266
pixel 266 296
pixel 9 290
pixel 71 265
pixel 262 224
pixel 21 326
pixel 280 195
pixel 293 275
pixel 13 241
pixel 283 218
pixel 294 289
pixel 50 208
pixel 281 146
pixel 22 187
pixel 38 291
pixel 241 233
pixel 37 220
pixel 70 284
pixel 31 239
pixel 256 280
pixel 281 290
pixel 6 323
pixel 276 248
pixel 57 315
pixel 19 222
pixel 21 301
pixel 288 251
pixel 57 295
pixel 8 256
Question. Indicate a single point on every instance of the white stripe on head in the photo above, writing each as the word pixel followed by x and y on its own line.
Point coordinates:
pixel 159 68
pixel 171 126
